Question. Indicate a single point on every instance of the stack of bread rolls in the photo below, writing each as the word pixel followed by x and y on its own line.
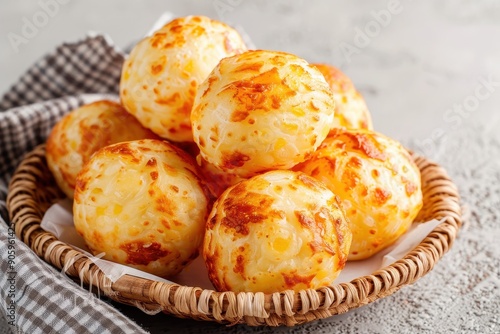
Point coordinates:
pixel 265 164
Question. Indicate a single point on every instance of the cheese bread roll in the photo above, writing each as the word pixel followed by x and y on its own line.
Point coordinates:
pixel 216 180
pixel 261 110
pixel 142 204
pixel 276 231
pixel 377 182
pixel 162 73
pixel 351 111
pixel 85 130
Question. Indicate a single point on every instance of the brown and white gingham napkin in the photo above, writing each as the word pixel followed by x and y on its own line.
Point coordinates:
pixel 45 300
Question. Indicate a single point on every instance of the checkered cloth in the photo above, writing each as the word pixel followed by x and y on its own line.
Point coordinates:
pixel 45 300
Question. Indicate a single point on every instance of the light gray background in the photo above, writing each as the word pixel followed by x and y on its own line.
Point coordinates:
pixel 431 57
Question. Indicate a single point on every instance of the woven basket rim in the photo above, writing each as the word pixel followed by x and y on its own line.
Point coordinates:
pixel 32 190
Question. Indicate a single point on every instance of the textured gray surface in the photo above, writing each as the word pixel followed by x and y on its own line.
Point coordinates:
pixel 424 76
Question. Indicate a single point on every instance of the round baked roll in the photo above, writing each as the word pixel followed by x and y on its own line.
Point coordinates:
pixel 85 130
pixel 377 182
pixel 260 111
pixel 217 180
pixel 276 231
pixel 142 204
pixel 351 111
pixel 162 73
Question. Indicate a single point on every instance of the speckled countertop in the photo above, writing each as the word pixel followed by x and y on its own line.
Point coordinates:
pixel 430 73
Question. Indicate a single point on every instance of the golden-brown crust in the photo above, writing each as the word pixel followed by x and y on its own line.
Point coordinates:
pixel 82 132
pixel 351 111
pixel 377 182
pixel 261 110
pixel 276 231
pixel 216 179
pixel 139 253
pixel 143 204
pixel 160 78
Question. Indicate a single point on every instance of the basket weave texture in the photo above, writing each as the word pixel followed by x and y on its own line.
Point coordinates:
pixel 33 190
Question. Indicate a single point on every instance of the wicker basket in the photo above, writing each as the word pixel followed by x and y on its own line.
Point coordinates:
pixel 32 190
